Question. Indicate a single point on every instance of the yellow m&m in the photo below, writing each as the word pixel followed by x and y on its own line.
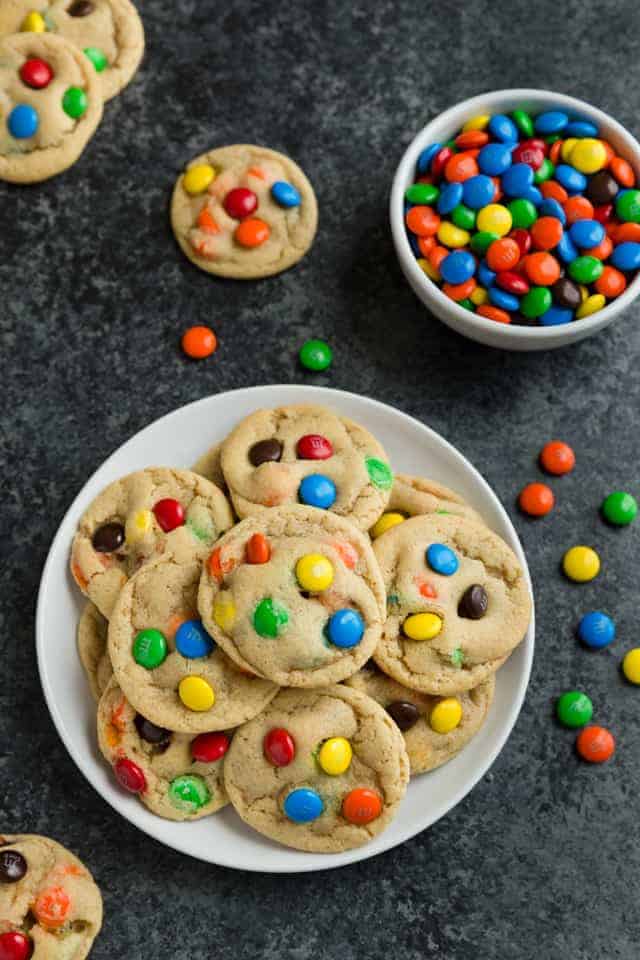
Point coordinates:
pixel 34 23
pixel 581 564
pixel 335 756
pixel 224 612
pixel 138 525
pixel 197 179
pixel 590 305
pixel 422 626
pixel 429 269
pixel 588 155
pixel 446 715
pixel 451 236
pixel 494 218
pixel 481 122
pixel 567 147
pixel 631 665
pixel 386 522
pixel 314 572
pixel 196 694
pixel 479 296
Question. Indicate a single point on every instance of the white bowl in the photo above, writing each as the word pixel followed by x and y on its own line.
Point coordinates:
pixel 443 128
pixel 177 440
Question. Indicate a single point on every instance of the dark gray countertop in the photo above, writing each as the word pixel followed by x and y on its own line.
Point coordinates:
pixel 541 860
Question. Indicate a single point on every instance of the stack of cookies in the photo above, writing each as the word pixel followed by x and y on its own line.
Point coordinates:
pixel 59 62
pixel 289 628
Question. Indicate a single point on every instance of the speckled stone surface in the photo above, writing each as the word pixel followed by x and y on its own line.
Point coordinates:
pixel 542 859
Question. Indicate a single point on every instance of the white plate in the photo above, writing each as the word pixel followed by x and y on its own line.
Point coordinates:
pixel 178 440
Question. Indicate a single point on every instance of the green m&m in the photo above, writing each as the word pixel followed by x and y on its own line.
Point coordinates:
pixel 188 793
pixel 74 102
pixel 523 122
pixel 149 648
pixel 481 241
pixel 585 269
pixel 574 709
pixel 270 618
pixel 463 217
pixel 379 472
pixel 536 302
pixel 523 213
pixel 97 57
pixel 628 206
pixel 619 508
pixel 316 355
pixel 422 193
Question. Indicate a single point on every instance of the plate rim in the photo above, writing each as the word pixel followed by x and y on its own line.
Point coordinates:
pixel 359 853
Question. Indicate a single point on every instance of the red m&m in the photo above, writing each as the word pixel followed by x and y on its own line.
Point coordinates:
pixel 130 776
pixel 209 747
pixel 15 945
pixel 279 748
pixel 240 203
pixel 314 447
pixel 36 74
pixel 169 513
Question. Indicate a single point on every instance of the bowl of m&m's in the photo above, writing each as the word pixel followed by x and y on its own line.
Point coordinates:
pixel 516 218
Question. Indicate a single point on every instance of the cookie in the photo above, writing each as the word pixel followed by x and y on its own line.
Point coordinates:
pixel 92 649
pixel 209 465
pixel 108 32
pixel 428 746
pixel 50 106
pixel 310 455
pixel 244 211
pixel 166 663
pixel 457 603
pixel 295 595
pixel 320 770
pixel 416 497
pixel 153 512
pixel 175 775
pixel 50 906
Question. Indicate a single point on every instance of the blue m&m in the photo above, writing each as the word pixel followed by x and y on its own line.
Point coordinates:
pixel 345 628
pixel 303 805
pixel 442 559
pixel 478 191
pixel 285 194
pixel 458 266
pixel 23 122
pixel 192 640
pixel 586 233
pixel 596 630
pixel 316 490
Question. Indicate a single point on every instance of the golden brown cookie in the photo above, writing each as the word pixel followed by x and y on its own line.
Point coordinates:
pixel 417 496
pixel 92 649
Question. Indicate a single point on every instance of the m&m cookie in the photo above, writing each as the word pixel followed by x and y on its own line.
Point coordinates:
pixel 50 906
pixel 295 595
pixel 168 665
pixel 417 496
pixel 108 32
pixel 319 770
pixel 244 211
pixel 457 603
pixel 50 106
pixel 209 465
pixel 153 512
pixel 309 455
pixel 435 729
pixel 176 775
pixel 92 649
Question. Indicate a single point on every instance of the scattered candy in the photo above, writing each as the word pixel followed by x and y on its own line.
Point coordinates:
pixel 188 793
pixel 23 122
pixel 574 709
pixel 536 499
pixel 314 572
pixel 405 714
pixel 279 747
pixel 386 522
pixel 316 490
pixel 169 514
pixel 345 628
pixel 581 564
pixel 596 630
pixel 258 549
pixel 631 665
pixel 75 102
pixel 557 457
pixel 196 694
pixel 270 618
pixel 36 74
pixel 13 866
pixel 422 626
pixel 130 776
pixel 15 946
pixel 108 538
pixel 209 747
pixel 362 806
pixel 149 648
pixel 620 508
pixel 595 744
pixel 446 715
pixel 315 355
pixel 442 559
pixel 522 187
pixel 303 805
pixel 314 447
pixel 474 602
pixel 192 640
pixel 199 342
pixel 285 194
pixel 335 756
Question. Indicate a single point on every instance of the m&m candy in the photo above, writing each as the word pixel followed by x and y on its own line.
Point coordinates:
pixel 192 640
pixel 188 793
pixel 581 564
pixel 23 122
pixel 557 457
pixel 631 665
pixel 442 559
pixel 130 776
pixel 303 805
pixel 279 747
pixel 620 508
pixel 314 572
pixel 196 693
pixel 574 709
pixel 209 747
pixel 15 945
pixel 149 648
pixel 596 630
pixel 446 715
pixel 36 73
pixel 335 756
pixel 595 744
pixel 199 342
pixel 422 626
pixel 345 628
pixel 285 194
pixel 316 490
pixel 169 513
pixel 551 183
pixel 362 806
pixel 270 618
pixel 536 499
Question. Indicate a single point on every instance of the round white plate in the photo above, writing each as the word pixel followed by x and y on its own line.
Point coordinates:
pixel 178 440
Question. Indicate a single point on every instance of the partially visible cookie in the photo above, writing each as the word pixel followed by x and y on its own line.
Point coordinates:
pixel 427 746
pixel 168 666
pixel 209 465
pixel 108 32
pixel 50 105
pixel 319 770
pixel 457 603
pixel 50 906
pixel 151 513
pixel 417 496
pixel 176 775
pixel 92 649
pixel 243 211
pixel 306 454
pixel 295 595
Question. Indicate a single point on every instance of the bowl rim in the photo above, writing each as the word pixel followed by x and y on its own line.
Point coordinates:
pixel 417 277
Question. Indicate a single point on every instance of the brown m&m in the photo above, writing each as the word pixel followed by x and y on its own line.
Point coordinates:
pixel 473 603
pixel 265 451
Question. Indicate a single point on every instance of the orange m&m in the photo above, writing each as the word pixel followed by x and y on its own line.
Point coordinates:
pixel 361 806
pixel 595 744
pixel 557 457
pixel 199 342
pixel 536 499
pixel 252 232
pixel 52 907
